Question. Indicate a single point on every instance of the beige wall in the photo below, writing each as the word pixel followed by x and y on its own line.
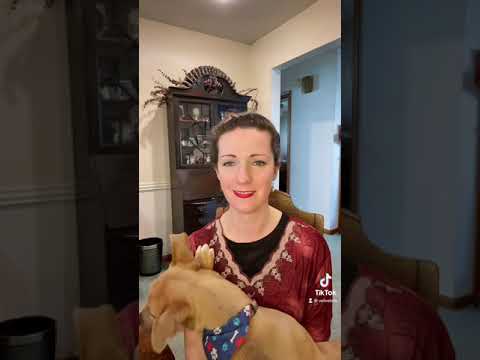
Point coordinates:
pixel 34 98
pixel 38 249
pixel 248 66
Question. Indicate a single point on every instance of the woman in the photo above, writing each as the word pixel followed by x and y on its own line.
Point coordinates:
pixel 278 261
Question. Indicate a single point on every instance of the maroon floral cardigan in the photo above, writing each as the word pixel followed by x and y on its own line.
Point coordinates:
pixel 289 281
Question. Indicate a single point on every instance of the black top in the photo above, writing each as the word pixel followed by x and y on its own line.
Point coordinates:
pixel 251 257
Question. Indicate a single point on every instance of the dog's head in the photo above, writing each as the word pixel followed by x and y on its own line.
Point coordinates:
pixel 169 307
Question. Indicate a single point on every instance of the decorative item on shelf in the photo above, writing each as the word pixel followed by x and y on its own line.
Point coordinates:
pixel 212 85
pixel 195 150
pixel 195 116
pixel 113 93
pixel 207 77
pixel 227 111
pixel 182 116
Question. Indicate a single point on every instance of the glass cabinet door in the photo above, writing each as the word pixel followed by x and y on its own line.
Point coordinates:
pixel 115 77
pixel 194 122
pixel 225 110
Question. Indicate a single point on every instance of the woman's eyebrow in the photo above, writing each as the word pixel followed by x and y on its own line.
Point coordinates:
pixel 251 155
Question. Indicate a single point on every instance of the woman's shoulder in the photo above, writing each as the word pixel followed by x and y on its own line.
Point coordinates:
pixel 305 235
pixel 306 231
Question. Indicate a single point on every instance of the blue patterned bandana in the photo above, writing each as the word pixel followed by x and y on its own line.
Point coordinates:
pixel 222 342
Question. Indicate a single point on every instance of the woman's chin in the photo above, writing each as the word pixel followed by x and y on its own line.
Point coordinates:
pixel 247 205
pixel 244 207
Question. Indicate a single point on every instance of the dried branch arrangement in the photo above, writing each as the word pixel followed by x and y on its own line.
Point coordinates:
pixel 203 75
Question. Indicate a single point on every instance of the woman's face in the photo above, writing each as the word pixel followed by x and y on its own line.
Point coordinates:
pixel 246 168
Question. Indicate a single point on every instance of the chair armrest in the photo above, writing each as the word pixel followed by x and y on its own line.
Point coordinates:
pixel 421 276
pixel 429 281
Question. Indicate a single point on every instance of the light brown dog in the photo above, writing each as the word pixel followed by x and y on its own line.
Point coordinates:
pixel 189 294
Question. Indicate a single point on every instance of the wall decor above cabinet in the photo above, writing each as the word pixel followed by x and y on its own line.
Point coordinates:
pixel 205 79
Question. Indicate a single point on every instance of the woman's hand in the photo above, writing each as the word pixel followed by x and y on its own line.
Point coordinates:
pixel 193 346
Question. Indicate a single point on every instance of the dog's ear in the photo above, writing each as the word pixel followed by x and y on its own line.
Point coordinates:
pixel 145 331
pixel 181 253
pixel 172 320
pixel 204 256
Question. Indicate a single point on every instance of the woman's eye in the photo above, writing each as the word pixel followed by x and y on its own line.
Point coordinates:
pixel 228 163
pixel 260 163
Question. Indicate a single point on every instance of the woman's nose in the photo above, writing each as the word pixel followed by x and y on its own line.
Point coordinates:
pixel 243 174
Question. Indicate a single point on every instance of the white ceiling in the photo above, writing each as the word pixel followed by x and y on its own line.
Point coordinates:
pixel 240 20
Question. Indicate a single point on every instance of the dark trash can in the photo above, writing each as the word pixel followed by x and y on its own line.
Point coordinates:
pixel 28 338
pixel 150 253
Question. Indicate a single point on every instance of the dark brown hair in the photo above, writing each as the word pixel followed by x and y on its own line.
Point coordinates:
pixel 244 121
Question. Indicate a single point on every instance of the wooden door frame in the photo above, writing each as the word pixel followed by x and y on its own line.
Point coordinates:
pixel 351 13
pixel 288 95
pixel 476 285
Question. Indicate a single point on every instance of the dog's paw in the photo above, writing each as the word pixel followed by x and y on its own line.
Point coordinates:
pixel 205 257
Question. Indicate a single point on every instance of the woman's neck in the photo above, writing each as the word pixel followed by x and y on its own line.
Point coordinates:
pixel 242 227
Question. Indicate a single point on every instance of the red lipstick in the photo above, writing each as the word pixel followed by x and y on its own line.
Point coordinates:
pixel 244 194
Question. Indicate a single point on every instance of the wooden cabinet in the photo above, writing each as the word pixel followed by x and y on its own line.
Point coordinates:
pixel 103 53
pixel 112 43
pixel 192 113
